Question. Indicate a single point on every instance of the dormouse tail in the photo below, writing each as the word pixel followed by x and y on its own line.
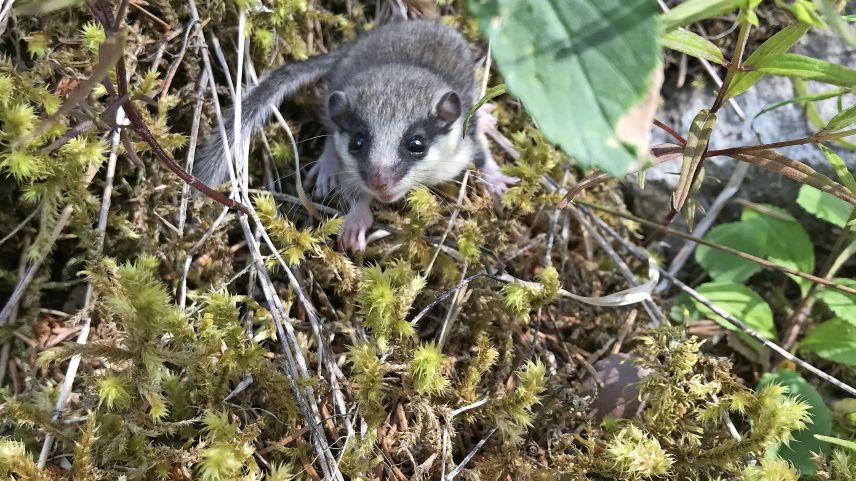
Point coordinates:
pixel 210 164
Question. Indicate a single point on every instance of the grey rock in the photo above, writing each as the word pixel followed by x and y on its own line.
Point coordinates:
pixel 618 396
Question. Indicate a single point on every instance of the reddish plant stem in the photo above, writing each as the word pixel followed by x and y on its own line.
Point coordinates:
pixel 597 177
pixel 733 67
pixel 142 129
pixel 812 139
pixel 669 130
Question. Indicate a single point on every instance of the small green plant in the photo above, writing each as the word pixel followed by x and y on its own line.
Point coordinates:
pixel 774 234
pixel 385 298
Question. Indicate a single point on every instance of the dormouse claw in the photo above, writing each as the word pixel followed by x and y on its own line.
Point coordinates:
pixel 359 219
pixel 498 184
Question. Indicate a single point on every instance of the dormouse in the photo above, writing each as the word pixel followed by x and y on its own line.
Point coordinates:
pixel 394 106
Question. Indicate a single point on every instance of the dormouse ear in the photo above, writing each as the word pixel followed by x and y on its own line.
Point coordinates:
pixel 337 109
pixel 448 110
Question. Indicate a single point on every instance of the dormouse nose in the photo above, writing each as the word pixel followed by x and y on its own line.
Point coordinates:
pixel 381 181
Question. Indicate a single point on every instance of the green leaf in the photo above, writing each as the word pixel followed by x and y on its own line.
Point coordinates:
pixel 578 66
pixel 824 206
pixel 837 22
pixel 693 45
pixel 779 43
pixel 800 449
pixel 837 441
pixel 843 119
pixel 804 99
pixel 803 10
pixel 841 303
pixel 833 340
pixel 723 266
pixel 739 301
pixel 792 169
pixel 697 142
pixel 783 241
pixel 692 11
pixel 45 7
pixel 806 68
pixel 491 94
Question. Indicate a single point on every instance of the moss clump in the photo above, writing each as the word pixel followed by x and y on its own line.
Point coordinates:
pixel 191 367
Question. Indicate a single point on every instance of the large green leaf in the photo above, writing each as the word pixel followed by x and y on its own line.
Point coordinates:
pixel 691 11
pixel 779 43
pixel 786 241
pixel 779 239
pixel 834 340
pixel 806 68
pixel 578 66
pixel 841 303
pixel 739 301
pixel 824 206
pixel 799 450
pixel 723 266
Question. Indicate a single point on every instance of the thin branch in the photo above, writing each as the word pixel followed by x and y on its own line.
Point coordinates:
pixel 7 346
pixel 28 277
pixel 453 473
pixel 734 66
pixel 811 139
pixel 182 291
pixel 191 150
pixel 669 130
pixel 453 311
pixel 5 8
pixel 729 250
pixel 192 30
pixel 461 193
pixel 662 153
pixel 85 322
pixel 21 225
pixel 700 229
pixel 654 312
pixel 842 250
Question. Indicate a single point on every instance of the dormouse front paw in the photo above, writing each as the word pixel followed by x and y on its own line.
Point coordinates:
pixel 324 171
pixel 359 219
pixel 486 117
pixel 496 182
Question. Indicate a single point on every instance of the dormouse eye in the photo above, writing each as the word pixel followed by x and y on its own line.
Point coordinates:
pixel 357 143
pixel 416 145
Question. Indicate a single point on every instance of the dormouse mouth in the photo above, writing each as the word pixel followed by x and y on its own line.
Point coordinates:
pixel 386 197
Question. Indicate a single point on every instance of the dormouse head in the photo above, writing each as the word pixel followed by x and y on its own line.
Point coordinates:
pixel 395 128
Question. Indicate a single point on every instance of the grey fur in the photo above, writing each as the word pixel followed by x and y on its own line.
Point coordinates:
pixel 390 74
pixel 210 166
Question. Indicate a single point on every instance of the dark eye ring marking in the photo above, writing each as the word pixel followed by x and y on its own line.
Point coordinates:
pixel 357 142
pixel 416 146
